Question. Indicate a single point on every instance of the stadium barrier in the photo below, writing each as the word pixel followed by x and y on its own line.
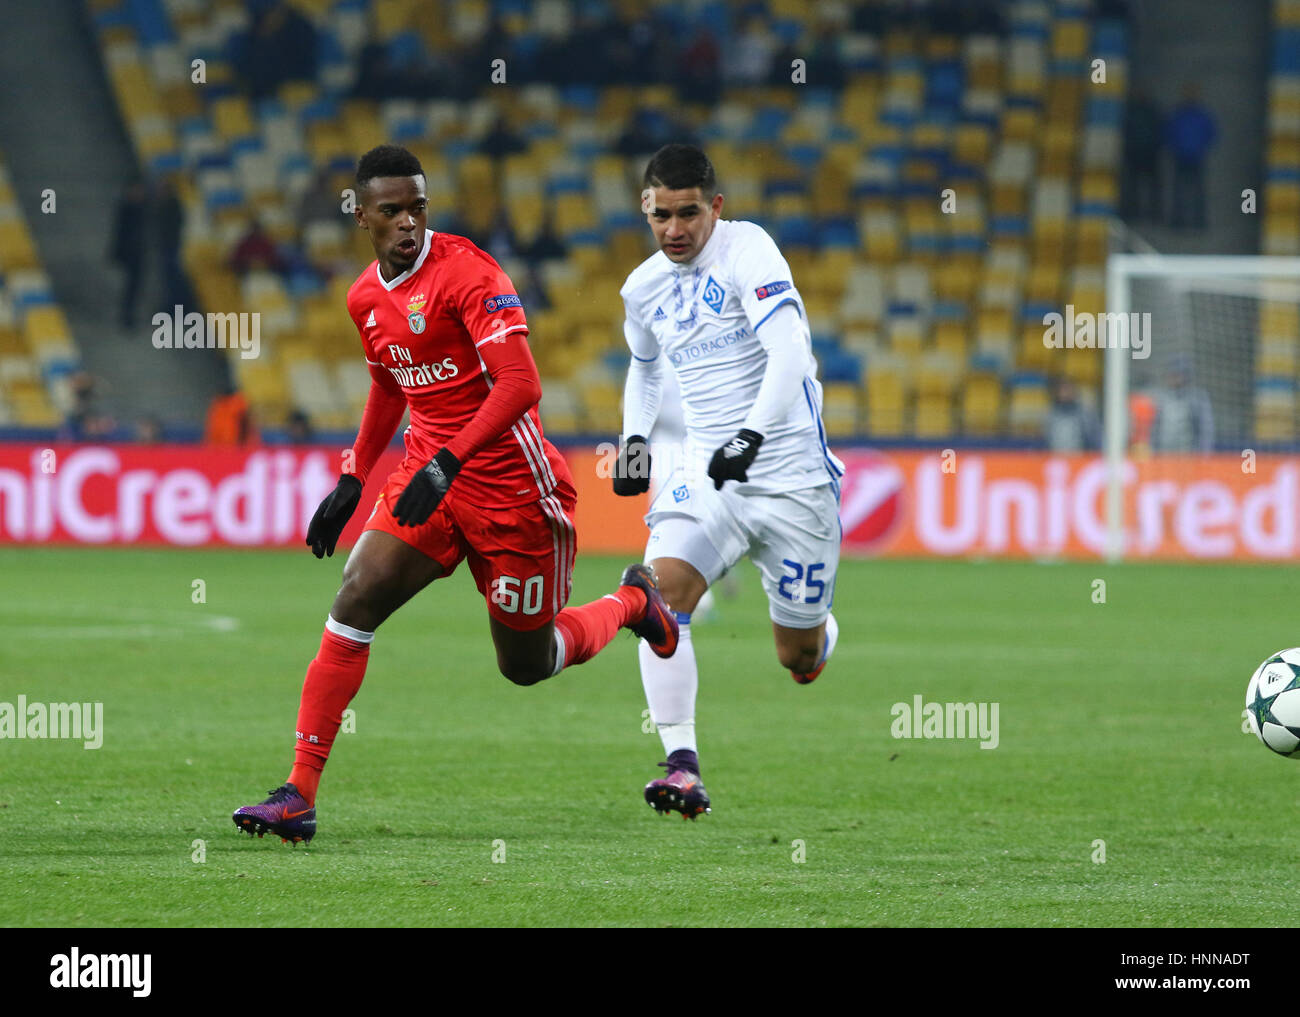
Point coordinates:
pixel 895 503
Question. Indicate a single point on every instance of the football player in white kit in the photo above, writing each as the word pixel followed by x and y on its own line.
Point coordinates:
pixel 717 306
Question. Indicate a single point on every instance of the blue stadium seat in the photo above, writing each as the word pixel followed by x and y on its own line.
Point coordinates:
pixel 324 108
pixel 797 231
pixel 838 232
pixel 151 22
pixel 1109 38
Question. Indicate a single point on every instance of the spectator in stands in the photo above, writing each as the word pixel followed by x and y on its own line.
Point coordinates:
pixel 501 140
pixel 128 243
pixel 279 46
pixel 547 245
pixel 1189 133
pixel 169 221
pixel 749 55
pixel 1141 415
pixel 825 66
pixel 1143 142
pixel 699 79
pixel 148 430
pixel 501 242
pixel 322 202
pixel 230 421
pixel 86 421
pixel 256 249
pixel 376 79
pixel 298 429
pixel 1071 425
pixel 648 130
pixel 1184 418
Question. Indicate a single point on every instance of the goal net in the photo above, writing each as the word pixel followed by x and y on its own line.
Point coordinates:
pixel 1209 370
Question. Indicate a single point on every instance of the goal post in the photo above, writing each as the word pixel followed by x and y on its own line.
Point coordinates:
pixel 1229 325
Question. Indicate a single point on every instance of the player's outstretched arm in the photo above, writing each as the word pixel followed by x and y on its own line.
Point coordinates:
pixel 384 408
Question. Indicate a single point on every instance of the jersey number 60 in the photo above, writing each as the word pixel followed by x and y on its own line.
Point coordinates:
pixel 505 594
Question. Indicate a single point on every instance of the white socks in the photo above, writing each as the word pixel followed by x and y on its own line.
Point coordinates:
pixel 670 688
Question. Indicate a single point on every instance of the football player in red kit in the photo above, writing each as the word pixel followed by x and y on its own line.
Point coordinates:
pixel 444 333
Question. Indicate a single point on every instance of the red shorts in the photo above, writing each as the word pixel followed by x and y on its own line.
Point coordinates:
pixel 521 557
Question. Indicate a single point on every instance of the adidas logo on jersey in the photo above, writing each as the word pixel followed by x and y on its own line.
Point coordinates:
pixel 659 314
pixel 370 322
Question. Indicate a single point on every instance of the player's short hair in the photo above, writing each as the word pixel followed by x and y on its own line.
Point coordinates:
pixel 679 168
pixel 387 161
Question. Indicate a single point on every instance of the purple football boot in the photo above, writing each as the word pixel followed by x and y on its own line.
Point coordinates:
pixel 287 814
pixel 659 626
pixel 681 789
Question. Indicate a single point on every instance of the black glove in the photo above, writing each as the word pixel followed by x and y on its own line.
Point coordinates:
pixel 426 489
pixel 632 471
pixel 332 515
pixel 731 462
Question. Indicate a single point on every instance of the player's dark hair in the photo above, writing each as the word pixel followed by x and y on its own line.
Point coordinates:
pixel 387 161
pixel 679 168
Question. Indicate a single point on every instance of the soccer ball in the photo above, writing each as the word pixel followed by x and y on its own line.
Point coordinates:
pixel 1273 702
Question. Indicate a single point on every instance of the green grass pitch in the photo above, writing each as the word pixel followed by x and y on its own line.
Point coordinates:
pixel 1118 722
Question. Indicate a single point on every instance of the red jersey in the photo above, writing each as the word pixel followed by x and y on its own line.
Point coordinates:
pixel 439 334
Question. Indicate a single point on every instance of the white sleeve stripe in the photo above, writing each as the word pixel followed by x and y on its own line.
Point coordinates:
pixel 373 363
pixel 498 335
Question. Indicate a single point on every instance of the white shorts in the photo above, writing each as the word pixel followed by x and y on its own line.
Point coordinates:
pixel 793 538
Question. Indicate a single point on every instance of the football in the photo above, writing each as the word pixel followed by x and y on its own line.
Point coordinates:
pixel 1273 702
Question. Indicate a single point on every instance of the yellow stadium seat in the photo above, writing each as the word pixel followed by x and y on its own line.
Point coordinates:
pixel 601 404
pixel 934 417
pixel 45 324
pixel 1083 366
pixel 951 337
pixel 972 144
pixel 885 401
pixel 1070 39
pixel 1091 236
pixel 1033 354
pixel 232 117
pixel 840 409
pixel 1027 411
pixel 981 404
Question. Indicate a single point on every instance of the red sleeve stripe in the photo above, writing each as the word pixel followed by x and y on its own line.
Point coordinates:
pixel 499 334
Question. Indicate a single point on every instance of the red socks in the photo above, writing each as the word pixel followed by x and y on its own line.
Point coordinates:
pixel 584 631
pixel 333 678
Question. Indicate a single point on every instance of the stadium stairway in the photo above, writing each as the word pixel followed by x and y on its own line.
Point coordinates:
pixel 62 131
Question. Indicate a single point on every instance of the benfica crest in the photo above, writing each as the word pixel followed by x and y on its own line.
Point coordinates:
pixel 416 320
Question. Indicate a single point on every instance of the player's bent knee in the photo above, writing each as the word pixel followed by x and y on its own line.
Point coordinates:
pixel 363 601
pixel 679 584
pixel 522 674
pixel 799 659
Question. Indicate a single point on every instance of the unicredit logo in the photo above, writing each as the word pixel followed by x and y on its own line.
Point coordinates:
pixel 91 495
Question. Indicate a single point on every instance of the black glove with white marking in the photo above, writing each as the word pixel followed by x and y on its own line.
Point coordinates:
pixel 732 461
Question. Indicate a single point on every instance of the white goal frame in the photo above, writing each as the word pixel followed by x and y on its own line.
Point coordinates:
pixel 1121 269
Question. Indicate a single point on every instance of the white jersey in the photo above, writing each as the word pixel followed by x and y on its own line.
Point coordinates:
pixel 705 317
